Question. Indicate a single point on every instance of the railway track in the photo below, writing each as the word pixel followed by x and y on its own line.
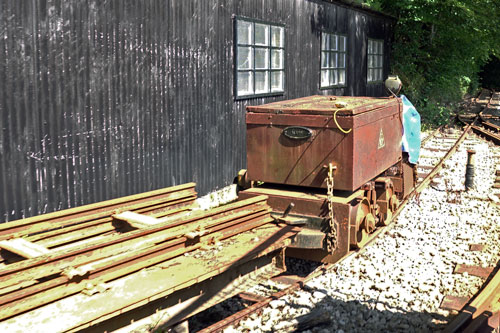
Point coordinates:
pixel 437 148
pixel 79 262
pixel 487 118
pixel 101 266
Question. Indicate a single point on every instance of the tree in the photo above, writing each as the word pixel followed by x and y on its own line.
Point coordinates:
pixel 439 48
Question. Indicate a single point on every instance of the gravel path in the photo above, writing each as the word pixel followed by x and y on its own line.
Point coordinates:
pixel 398 282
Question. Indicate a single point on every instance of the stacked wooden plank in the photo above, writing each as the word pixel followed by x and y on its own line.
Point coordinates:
pixel 81 250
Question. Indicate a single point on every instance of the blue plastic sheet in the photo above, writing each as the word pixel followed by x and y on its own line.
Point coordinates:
pixel 411 130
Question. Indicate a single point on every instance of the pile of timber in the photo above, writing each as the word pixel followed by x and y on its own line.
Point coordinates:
pixel 77 225
pixel 79 267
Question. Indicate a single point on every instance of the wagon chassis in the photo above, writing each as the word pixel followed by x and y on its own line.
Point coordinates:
pixel 95 224
pixel 483 310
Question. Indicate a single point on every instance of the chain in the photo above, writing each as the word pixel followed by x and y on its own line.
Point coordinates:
pixel 331 242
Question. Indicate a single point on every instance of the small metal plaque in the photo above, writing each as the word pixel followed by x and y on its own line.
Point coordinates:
pixel 297 132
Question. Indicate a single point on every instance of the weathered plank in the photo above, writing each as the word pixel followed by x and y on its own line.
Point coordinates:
pixel 23 248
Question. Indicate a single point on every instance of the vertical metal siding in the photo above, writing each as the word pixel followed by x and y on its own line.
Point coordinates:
pixel 100 99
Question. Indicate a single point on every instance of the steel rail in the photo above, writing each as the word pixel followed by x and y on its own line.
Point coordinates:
pixel 488 134
pixel 73 216
pixel 256 307
pixel 49 264
pixel 491 126
pixel 478 315
pixel 238 316
pixel 104 268
pixel 432 135
pixel 483 129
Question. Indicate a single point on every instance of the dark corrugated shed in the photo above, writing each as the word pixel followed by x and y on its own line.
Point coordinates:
pixel 101 99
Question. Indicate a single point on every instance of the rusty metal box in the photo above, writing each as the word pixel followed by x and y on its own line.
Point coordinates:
pixel 292 142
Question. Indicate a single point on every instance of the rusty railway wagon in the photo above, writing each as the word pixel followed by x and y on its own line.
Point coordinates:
pixel 332 165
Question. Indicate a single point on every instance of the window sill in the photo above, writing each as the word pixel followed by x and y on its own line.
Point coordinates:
pixel 333 87
pixel 280 93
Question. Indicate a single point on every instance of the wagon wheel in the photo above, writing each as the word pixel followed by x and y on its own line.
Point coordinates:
pixel 364 225
pixel 394 203
pixel 386 218
pixel 365 229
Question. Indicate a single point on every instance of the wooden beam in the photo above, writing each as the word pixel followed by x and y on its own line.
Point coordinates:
pixel 135 220
pixel 23 248
pixel 71 216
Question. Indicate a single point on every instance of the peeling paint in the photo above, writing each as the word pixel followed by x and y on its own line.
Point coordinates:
pixel 102 99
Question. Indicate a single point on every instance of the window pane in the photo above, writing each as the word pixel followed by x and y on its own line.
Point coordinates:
pixel 380 61
pixel 244 32
pixel 277 36
pixel 381 48
pixel 333 77
pixel 341 60
pixel 261 58
pixel 244 58
pixel 370 61
pixel 333 59
pixel 325 41
pixel 324 59
pixel 245 83
pixel 341 76
pixel 261 82
pixel 370 48
pixel 333 42
pixel 277 59
pixel 261 34
pixel 379 74
pixel 370 75
pixel 325 78
pixel 276 81
pixel 342 45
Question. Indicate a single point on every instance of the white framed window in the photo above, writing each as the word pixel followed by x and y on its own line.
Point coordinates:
pixel 375 58
pixel 333 60
pixel 260 58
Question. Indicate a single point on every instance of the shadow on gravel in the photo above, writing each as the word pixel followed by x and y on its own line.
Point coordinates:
pixel 300 267
pixel 326 315
pixel 331 314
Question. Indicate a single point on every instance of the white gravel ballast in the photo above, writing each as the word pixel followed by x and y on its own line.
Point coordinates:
pixel 397 283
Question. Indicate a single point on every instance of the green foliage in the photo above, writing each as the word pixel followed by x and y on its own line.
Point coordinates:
pixel 440 47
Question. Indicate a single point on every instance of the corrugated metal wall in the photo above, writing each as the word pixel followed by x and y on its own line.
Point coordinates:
pixel 101 99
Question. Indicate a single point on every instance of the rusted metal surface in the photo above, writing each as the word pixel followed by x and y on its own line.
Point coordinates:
pixel 495 137
pixel 455 303
pixel 313 207
pixel 479 271
pixel 101 99
pixel 313 203
pixel 309 239
pixel 251 297
pixel 322 105
pixel 476 247
pixel 31 285
pixel 491 126
pixel 488 126
pixel 373 145
pixel 296 283
pixel 93 214
pixel 225 280
pixel 482 312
